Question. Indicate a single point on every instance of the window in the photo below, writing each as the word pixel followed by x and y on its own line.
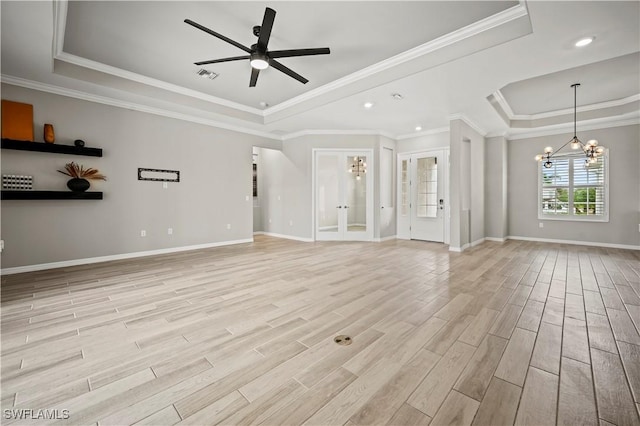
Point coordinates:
pixel 572 190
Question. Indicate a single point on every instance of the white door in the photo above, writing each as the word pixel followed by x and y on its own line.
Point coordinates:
pixel 343 195
pixel 421 196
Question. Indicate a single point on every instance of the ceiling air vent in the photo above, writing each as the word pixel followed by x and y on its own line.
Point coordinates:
pixel 206 74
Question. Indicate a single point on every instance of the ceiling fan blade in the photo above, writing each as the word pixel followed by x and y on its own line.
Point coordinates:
pixel 215 61
pixel 254 77
pixel 298 52
pixel 265 29
pixel 215 34
pixel 277 65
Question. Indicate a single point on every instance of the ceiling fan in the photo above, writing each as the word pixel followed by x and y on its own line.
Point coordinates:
pixel 259 55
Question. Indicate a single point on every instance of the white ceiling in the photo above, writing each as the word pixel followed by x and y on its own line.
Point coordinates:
pixel 446 59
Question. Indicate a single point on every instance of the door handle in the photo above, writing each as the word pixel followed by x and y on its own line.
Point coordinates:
pixel 346 207
pixel 441 204
pixel 339 207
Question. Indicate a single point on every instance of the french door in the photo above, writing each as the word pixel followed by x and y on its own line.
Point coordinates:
pixel 422 207
pixel 343 195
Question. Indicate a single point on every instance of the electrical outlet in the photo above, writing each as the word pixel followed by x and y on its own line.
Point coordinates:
pixel 246 198
pixel 269 220
pixel 1 245
pixel 290 223
pixel 228 226
pixel 540 225
pixel 169 231
pixel 278 198
pixel 165 185
pixel 143 233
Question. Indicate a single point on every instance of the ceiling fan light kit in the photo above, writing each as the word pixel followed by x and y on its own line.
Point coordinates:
pixel 259 55
pixel 591 148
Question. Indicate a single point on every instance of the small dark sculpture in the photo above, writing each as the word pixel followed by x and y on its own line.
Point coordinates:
pixel 79 143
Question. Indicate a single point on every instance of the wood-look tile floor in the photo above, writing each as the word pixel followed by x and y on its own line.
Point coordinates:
pixel 513 333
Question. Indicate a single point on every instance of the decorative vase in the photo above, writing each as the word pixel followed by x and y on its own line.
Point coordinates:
pixel 79 143
pixel 49 135
pixel 78 184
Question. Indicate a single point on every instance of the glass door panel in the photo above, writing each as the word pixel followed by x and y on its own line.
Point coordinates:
pixel 343 203
pixel 328 197
pixel 356 194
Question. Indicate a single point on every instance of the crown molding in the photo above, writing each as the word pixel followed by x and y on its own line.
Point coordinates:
pixel 471 30
pixel 501 100
pixel 76 94
pixel 59 27
pixel 138 78
pixel 336 132
pixel 423 133
pixel 60 8
pixel 596 124
pixel 468 122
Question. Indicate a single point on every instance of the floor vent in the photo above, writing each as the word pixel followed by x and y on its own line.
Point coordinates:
pixel 342 340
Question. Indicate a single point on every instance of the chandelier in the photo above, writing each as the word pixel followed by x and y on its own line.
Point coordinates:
pixel 591 148
pixel 358 167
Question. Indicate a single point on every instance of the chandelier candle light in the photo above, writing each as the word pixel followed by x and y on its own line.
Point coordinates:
pixel 358 166
pixel 591 148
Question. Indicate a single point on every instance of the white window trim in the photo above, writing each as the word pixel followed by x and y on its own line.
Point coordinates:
pixel 571 217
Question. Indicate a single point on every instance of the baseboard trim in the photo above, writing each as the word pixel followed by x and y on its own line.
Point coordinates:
pixel 495 239
pixel 479 241
pixel 286 237
pixel 456 249
pixel 100 259
pixel 573 242
pixel 381 240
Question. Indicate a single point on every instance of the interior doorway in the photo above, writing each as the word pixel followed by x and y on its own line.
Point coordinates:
pixel 343 195
pixel 423 196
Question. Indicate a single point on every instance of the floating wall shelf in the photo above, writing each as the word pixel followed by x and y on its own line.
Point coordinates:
pixel 50 195
pixel 50 147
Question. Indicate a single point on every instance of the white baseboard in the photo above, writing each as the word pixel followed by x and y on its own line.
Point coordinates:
pixel 476 242
pixel 498 240
pixel 287 237
pixel 467 245
pixel 380 240
pixel 99 259
pixel 573 242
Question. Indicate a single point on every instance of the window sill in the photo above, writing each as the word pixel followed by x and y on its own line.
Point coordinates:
pixel 604 219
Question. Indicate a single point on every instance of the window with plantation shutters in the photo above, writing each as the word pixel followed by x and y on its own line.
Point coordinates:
pixel 572 189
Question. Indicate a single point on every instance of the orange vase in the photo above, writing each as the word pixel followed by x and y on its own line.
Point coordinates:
pixel 49 135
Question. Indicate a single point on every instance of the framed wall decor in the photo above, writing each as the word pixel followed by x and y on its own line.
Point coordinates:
pixel 159 175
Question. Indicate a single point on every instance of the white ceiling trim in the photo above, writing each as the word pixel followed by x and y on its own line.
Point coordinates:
pixel 60 9
pixel 469 122
pixel 471 30
pixel 597 124
pixel 59 27
pixel 423 133
pixel 128 75
pixel 337 132
pixel 71 93
pixel 557 113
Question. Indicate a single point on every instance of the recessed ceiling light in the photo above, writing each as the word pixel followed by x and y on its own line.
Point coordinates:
pixel 397 96
pixel 368 105
pixel 418 128
pixel 584 41
pixel 206 74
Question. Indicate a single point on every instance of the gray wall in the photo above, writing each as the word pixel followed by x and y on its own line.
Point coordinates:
pixel 423 143
pixel 387 216
pixel 469 180
pixel 624 181
pixel 495 189
pixel 215 166
pixel 297 191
